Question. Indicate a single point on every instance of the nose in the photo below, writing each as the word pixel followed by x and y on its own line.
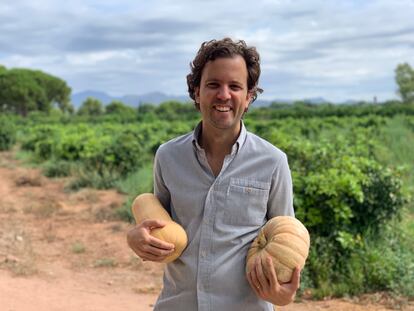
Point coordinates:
pixel 223 93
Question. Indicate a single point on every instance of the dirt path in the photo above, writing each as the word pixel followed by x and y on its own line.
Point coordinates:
pixel 63 251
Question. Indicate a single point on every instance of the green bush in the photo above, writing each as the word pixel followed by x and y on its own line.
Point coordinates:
pixel 347 193
pixel 107 150
pixel 58 168
pixel 84 177
pixel 376 264
pixel 135 183
pixel 120 155
pixel 347 200
pixel 340 193
pixel 7 134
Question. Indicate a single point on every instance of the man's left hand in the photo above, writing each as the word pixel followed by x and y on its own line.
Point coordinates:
pixel 263 280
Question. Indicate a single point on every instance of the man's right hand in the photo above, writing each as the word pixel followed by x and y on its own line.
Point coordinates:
pixel 145 245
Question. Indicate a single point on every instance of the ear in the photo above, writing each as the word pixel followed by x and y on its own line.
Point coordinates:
pixel 197 94
pixel 197 97
pixel 249 98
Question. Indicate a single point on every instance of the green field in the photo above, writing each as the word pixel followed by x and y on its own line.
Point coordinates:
pixel 352 168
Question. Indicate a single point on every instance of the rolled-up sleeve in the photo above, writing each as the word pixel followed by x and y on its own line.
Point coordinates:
pixel 281 191
pixel 160 189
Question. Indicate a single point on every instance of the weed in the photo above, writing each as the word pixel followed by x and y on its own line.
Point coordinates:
pixel 105 262
pixel 30 178
pixel 116 228
pixel 54 168
pixel 43 209
pixel 105 214
pixel 78 248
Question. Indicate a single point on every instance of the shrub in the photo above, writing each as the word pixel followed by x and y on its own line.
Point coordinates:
pixel 55 168
pixel 7 134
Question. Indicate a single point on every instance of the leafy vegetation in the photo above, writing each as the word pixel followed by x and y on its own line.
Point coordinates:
pixel 404 76
pixel 25 90
pixel 352 167
pixel 7 133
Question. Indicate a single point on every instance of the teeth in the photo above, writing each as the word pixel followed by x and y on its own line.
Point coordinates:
pixel 223 108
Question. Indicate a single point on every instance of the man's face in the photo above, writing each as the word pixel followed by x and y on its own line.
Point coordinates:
pixel 223 95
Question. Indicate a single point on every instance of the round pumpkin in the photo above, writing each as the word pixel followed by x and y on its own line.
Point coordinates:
pixel 287 242
pixel 147 206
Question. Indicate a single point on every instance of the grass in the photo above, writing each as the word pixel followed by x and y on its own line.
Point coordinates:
pixel 136 183
pixel 396 149
pixel 26 158
pixel 42 210
pixel 89 178
pixel 24 268
pixel 379 264
pixel 105 262
pixel 78 248
pixel 53 168
pixel 29 178
pixel 382 264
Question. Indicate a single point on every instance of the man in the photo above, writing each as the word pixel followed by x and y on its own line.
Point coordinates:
pixel 221 183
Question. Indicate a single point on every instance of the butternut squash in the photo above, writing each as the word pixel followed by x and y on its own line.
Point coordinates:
pixel 147 206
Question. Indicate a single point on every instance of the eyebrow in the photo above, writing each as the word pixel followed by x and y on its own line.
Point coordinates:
pixel 218 80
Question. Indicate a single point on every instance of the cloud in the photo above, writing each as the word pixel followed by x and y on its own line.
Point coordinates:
pixel 337 50
pixel 128 34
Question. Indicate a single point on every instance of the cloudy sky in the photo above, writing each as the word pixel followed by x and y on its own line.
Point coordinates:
pixel 338 50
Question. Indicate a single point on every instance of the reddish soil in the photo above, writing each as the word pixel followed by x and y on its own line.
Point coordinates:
pixel 64 251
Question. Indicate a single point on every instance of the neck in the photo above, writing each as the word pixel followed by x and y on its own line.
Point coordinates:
pixel 217 141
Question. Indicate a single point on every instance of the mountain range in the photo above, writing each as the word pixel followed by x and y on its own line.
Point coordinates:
pixel 131 100
pixel 159 97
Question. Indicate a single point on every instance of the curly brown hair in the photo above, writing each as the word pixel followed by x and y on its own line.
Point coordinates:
pixel 211 50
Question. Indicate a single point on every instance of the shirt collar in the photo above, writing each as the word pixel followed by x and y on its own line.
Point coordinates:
pixel 235 148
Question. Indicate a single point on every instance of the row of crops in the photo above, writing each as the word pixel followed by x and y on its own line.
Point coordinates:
pixel 352 177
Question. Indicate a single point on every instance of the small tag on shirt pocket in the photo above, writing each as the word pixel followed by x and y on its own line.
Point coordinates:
pixel 246 202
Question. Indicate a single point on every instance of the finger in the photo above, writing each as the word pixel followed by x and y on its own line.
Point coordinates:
pixel 156 250
pixel 157 243
pixel 260 274
pixel 153 254
pixel 147 238
pixel 254 284
pixel 254 278
pixel 271 273
pixel 296 278
pixel 140 240
pixel 249 279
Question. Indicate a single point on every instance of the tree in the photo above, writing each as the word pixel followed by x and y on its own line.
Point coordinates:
pixel 20 93
pixel 91 107
pixel 57 91
pixel 118 107
pixel 24 90
pixel 174 110
pixel 404 76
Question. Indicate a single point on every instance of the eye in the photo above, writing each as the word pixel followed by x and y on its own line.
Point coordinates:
pixel 212 85
pixel 235 87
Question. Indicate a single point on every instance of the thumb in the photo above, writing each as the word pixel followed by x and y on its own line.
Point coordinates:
pixel 153 223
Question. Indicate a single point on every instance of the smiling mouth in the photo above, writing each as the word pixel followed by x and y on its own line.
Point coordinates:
pixel 222 108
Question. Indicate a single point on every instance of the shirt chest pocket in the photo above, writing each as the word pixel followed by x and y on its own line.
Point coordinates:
pixel 246 202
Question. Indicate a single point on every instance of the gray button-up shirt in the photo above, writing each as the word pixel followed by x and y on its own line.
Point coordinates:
pixel 221 216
